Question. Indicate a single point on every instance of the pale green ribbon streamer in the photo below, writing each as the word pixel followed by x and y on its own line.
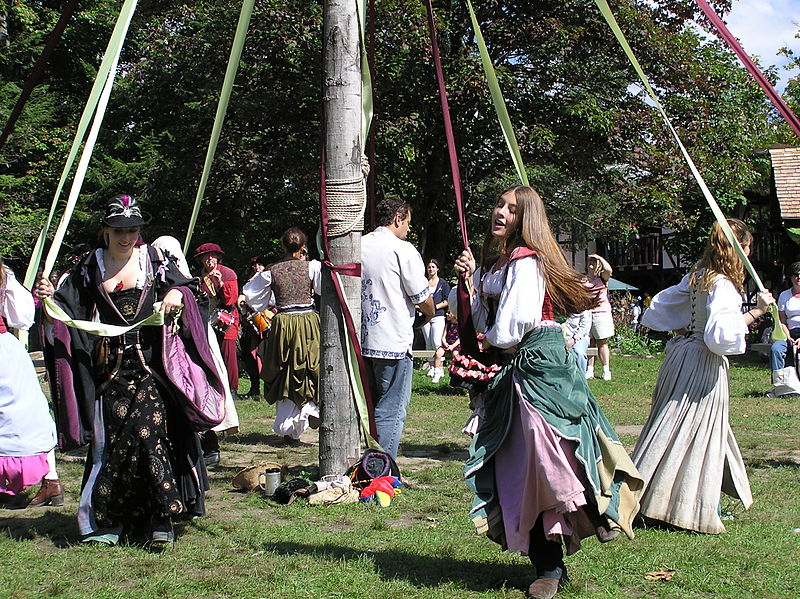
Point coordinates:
pixel 358 390
pixel 778 333
pixel 222 109
pixel 80 173
pixel 98 328
pixel 111 55
pixel 366 76
pixel 497 99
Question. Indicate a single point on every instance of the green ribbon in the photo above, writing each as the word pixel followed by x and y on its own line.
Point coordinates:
pixel 366 76
pixel 351 362
pixel 778 333
pixel 98 328
pixel 222 109
pixel 497 100
pixel 110 57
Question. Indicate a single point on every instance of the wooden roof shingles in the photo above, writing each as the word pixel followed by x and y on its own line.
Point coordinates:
pixel 786 168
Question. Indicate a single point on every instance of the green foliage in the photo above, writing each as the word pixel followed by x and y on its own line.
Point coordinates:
pixel 629 342
pixel 596 149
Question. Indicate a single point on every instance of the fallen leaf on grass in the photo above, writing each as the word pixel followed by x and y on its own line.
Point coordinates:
pixel 663 574
pixel 431 519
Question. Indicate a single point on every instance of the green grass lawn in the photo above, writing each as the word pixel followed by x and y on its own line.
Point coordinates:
pixel 423 546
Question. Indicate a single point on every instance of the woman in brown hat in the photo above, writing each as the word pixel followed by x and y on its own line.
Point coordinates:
pixel 222 287
pixel 144 466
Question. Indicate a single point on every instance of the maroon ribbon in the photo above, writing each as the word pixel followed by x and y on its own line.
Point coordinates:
pixel 353 270
pixel 468 336
pixel 372 179
pixel 38 68
pixel 751 66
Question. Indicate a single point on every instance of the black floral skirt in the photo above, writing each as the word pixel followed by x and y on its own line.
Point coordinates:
pixel 152 464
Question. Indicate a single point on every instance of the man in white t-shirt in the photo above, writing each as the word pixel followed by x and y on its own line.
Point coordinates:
pixel 393 287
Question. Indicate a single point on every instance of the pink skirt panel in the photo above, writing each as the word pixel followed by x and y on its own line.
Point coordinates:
pixel 536 472
pixel 19 473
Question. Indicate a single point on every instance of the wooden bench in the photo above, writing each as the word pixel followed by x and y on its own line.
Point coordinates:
pixel 760 348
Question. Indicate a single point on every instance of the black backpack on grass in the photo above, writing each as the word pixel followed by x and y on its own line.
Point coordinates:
pixel 373 464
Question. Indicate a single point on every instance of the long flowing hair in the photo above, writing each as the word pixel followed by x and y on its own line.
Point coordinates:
pixel 719 257
pixel 531 228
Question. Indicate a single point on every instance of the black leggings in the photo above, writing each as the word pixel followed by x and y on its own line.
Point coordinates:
pixel 545 555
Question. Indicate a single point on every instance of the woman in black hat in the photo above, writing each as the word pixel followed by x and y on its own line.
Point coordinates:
pixel 144 467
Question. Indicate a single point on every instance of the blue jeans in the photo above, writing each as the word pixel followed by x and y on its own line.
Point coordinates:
pixel 778 351
pixel 390 382
pixel 580 348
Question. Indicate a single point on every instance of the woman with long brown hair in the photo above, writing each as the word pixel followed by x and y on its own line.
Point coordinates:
pixel 545 466
pixel 687 452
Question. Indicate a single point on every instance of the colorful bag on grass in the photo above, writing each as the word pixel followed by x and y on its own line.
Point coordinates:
pixel 373 464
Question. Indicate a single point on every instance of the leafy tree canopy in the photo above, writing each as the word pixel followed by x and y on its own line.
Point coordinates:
pixel 594 147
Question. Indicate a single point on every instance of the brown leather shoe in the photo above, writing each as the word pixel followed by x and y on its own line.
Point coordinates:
pixel 543 588
pixel 50 493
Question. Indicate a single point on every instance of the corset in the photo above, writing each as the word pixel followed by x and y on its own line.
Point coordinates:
pixel 699 303
pixel 290 283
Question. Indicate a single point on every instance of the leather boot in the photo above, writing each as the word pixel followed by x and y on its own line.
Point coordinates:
pixel 50 493
pixel 543 588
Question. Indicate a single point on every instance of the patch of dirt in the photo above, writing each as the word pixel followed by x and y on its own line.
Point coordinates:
pixel 399 523
pixel 629 429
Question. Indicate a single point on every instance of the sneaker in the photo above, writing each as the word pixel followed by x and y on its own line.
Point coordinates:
pixel 589 374
pixel 425 366
pixel 437 376
pixel 431 372
pixel 606 375
pixel 109 536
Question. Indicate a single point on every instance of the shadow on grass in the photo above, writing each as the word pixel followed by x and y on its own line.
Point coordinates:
pixel 772 463
pixel 446 452
pixel 421 570
pixel 255 439
pixel 60 528
pixel 428 389
pixel 62 531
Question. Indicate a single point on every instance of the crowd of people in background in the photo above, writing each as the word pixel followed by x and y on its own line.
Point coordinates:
pixel 546 467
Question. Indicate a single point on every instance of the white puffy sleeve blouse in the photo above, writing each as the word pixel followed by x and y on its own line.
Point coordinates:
pixel 520 293
pixel 724 332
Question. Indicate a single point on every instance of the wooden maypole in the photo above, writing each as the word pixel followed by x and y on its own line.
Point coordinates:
pixel 341 94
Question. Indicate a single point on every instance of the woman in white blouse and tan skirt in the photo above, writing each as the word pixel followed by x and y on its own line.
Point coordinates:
pixel 687 453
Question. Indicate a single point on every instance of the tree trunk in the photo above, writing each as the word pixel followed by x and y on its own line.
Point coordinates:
pixel 339 437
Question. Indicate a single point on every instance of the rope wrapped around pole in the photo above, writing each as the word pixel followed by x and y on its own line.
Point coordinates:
pixel 347 202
